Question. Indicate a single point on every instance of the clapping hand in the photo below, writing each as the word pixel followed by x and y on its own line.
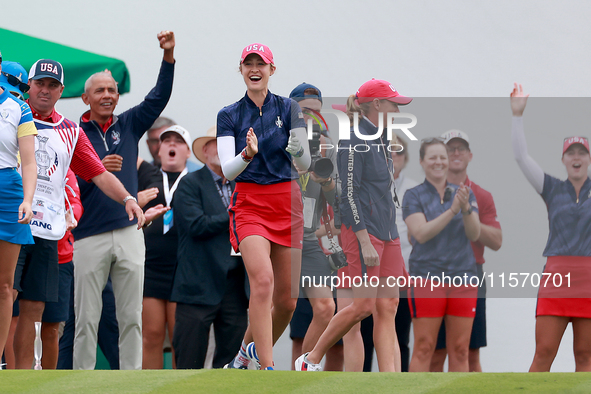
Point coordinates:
pixel 252 143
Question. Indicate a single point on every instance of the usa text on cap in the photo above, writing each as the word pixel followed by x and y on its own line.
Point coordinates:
pixel 261 50
pixel 568 142
pixel 46 68
pixel 380 89
pixel 451 134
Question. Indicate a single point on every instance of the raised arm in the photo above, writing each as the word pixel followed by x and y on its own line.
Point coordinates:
pixel 532 171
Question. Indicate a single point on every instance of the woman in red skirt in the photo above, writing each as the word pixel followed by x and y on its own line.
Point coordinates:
pixel 368 233
pixel 564 294
pixel 259 137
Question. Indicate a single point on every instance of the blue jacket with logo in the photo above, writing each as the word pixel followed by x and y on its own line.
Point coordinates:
pixel 101 213
pixel 569 217
pixel 365 170
pixel 272 125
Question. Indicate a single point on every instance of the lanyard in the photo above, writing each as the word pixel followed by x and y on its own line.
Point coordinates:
pixel 304 181
pixel 168 193
pixel 222 194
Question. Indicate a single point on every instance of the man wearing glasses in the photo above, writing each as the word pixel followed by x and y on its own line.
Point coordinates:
pixel 458 150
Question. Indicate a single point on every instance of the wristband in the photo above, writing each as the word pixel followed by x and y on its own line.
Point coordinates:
pixel 468 212
pixel 327 182
pixel 129 198
pixel 299 153
pixel 245 157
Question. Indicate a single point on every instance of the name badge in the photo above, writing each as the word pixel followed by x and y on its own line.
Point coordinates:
pixel 309 208
pixel 168 222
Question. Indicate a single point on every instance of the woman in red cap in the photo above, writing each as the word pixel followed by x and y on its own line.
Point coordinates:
pixel 368 232
pixel 564 295
pixel 258 138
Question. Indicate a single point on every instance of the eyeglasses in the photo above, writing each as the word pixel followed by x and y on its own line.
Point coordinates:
pixel 459 149
pixel 14 81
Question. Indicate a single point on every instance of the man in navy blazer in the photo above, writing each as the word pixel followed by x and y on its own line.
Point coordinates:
pixel 210 281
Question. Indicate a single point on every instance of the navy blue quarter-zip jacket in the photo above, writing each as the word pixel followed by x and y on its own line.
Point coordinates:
pixel 101 214
pixel 365 170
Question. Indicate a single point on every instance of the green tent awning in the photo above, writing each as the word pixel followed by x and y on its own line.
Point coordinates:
pixel 78 64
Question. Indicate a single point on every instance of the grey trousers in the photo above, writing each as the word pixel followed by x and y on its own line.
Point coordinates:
pixel 120 253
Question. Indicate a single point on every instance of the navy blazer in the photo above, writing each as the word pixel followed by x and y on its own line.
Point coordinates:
pixel 203 227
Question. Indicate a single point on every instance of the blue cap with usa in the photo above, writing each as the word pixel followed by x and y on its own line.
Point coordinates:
pixel 46 68
pixel 299 92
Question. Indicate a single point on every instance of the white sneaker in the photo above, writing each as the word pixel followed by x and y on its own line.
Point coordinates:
pixel 302 364
pixel 251 354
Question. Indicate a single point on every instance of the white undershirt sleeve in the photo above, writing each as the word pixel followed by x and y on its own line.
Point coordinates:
pixel 232 163
pixel 303 162
pixel 532 171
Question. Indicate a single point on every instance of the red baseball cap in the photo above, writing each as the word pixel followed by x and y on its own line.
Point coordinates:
pixel 379 89
pixel 568 142
pixel 260 49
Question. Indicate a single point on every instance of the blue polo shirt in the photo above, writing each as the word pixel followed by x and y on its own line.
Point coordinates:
pixel 366 198
pixel 450 250
pixel 271 124
pixel 569 219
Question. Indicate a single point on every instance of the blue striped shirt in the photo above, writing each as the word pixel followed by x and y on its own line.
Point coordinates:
pixel 449 251
pixel 271 124
pixel 569 218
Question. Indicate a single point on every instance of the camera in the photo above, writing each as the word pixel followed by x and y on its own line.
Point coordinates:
pixel 321 166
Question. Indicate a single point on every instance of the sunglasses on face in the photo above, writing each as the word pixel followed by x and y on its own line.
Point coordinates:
pixel 459 149
pixel 14 81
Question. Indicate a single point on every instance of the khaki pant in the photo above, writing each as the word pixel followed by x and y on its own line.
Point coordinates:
pixel 120 253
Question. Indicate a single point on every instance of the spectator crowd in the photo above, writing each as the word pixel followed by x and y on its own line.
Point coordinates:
pixel 136 257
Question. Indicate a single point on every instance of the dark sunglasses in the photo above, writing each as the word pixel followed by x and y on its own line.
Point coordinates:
pixel 14 81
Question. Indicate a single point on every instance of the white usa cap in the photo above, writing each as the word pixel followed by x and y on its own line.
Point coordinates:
pixel 180 131
pixel 451 134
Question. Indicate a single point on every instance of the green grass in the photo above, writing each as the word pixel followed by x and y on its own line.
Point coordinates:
pixel 225 381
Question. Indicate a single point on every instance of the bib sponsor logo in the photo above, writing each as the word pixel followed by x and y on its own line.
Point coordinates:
pixel 41 224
